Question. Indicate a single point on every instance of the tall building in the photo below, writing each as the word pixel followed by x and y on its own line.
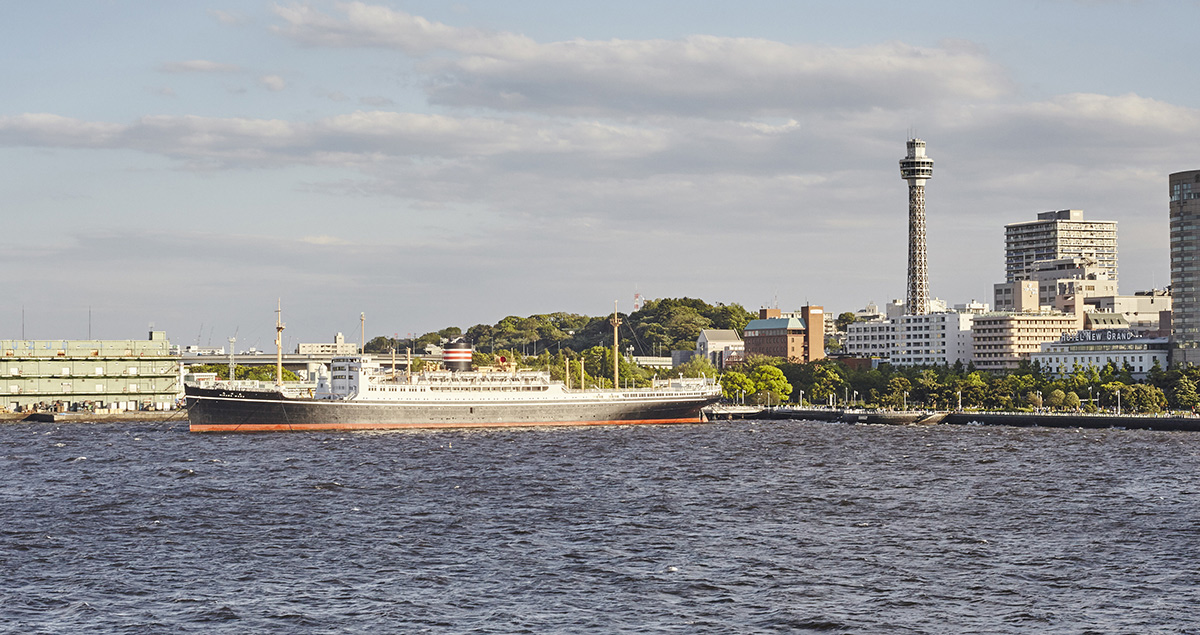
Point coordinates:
pixel 916 168
pixel 1185 243
pixel 1057 235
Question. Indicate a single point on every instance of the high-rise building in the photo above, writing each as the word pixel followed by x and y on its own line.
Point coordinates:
pixel 1057 235
pixel 916 168
pixel 1185 265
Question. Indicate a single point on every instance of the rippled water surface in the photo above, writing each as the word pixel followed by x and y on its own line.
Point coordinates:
pixel 720 528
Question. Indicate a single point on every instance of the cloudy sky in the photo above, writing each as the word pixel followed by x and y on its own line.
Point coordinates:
pixel 433 163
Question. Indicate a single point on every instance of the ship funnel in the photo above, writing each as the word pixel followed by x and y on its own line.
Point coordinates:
pixel 457 356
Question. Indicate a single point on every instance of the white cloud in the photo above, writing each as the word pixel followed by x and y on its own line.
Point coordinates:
pixel 367 25
pixel 199 66
pixel 697 75
pixel 273 83
pixel 229 18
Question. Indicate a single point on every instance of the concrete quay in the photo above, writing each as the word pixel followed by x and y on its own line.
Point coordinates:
pixel 1019 419
pixel 147 416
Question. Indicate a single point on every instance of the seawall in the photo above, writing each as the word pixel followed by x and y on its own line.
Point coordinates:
pixel 166 416
pixel 1019 419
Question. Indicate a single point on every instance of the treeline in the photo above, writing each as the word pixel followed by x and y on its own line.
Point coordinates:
pixel 656 329
pixel 1030 386
pixel 252 373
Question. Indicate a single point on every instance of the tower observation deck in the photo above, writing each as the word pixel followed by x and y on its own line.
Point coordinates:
pixel 916 168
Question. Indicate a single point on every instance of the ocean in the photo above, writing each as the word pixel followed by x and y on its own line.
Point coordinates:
pixel 730 527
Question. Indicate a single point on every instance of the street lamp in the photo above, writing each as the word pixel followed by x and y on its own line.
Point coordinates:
pixel 960 400
pixel 855 398
pixel 906 400
pixel 801 398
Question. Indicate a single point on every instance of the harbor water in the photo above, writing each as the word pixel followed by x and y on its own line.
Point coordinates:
pixel 732 527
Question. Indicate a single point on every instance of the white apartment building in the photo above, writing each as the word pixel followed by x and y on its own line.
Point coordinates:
pixel 871 339
pixel 338 347
pixel 933 339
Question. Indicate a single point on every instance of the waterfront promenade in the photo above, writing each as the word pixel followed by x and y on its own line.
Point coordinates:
pixel 964 417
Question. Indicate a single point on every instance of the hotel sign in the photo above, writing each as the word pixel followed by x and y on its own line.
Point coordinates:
pixel 1101 335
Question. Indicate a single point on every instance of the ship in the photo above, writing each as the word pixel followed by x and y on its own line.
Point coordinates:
pixel 359 392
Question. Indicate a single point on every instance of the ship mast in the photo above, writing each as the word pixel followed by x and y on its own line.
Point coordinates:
pixel 279 343
pixel 616 322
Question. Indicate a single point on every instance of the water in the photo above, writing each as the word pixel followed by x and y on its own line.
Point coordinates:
pixel 724 528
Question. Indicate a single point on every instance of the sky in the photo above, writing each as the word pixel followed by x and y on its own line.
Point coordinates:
pixel 187 166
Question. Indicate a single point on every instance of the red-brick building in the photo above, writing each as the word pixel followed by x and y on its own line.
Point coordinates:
pixel 796 337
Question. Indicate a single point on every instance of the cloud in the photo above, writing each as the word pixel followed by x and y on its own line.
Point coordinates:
pixel 332 95
pixel 199 66
pixel 366 135
pixel 367 25
pixel 273 83
pixel 697 76
pixel 376 101
pixel 229 18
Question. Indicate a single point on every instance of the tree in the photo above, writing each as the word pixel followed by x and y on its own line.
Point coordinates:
pixel 754 360
pixel 1183 393
pixel 845 319
pixel 735 385
pixel 1056 398
pixel 1144 398
pixel 1071 402
pixel 1033 399
pixel 897 392
pixel 244 372
pixel 697 366
pixel 825 380
pixel 770 384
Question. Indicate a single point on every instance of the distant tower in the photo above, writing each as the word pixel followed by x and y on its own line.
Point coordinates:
pixel 916 168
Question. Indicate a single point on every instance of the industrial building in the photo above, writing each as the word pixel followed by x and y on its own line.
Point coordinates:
pixel 97 375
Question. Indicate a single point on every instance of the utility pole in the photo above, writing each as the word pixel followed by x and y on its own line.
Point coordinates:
pixel 616 322
pixel 279 343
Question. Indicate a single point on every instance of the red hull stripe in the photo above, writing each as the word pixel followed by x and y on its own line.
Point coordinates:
pixel 287 427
